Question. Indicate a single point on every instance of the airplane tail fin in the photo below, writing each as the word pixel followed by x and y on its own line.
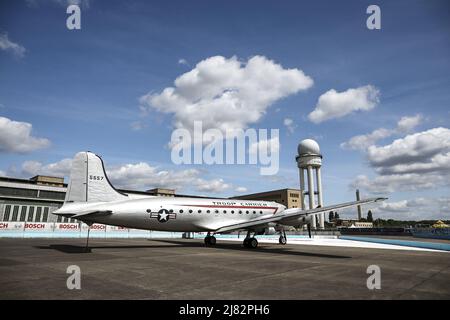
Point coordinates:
pixel 89 182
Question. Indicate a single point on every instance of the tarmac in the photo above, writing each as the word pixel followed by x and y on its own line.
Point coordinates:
pixel 186 269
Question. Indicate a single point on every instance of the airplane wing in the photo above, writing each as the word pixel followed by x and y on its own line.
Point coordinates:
pixel 289 214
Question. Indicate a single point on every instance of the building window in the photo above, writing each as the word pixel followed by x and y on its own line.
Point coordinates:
pixel 51 195
pixel 38 214
pixel 30 214
pixel 15 213
pixel 23 213
pixel 45 216
pixel 7 212
pixel 18 192
pixel 59 219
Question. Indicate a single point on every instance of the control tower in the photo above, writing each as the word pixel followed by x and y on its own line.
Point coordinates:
pixel 309 159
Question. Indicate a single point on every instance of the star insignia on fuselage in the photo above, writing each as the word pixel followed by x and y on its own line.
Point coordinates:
pixel 162 215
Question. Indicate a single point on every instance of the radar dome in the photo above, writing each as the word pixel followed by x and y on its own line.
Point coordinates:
pixel 308 146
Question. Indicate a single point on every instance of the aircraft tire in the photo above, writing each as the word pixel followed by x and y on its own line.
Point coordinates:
pixel 253 243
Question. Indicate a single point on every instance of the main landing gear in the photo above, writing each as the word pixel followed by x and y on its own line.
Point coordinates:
pixel 210 240
pixel 250 242
pixel 283 239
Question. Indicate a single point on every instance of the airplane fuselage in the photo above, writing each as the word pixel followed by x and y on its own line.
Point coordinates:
pixel 176 214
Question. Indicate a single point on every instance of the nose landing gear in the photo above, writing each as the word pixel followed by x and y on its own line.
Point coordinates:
pixel 210 240
pixel 250 242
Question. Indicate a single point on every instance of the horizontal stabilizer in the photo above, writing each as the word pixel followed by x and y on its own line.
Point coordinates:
pixel 92 214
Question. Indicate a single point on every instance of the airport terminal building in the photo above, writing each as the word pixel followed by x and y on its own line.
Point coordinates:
pixel 34 199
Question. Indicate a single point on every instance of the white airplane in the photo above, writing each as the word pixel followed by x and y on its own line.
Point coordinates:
pixel 91 198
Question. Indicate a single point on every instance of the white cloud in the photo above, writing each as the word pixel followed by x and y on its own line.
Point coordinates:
pixel 16 137
pixel 407 124
pixel 134 176
pixel 183 61
pixel 289 124
pixel 384 184
pixel 85 4
pixel 415 162
pixel 7 45
pixel 214 185
pixel 272 145
pixel 414 209
pixel 241 189
pixel 137 125
pixel 226 94
pixel 364 141
pixel 410 151
pixel 141 176
pixel 333 104
pixel 59 169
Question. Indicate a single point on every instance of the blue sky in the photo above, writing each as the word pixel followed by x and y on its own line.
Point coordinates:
pixel 80 89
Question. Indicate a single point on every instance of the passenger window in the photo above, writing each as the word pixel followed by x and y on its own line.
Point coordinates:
pixel 232 211
pixel 190 211
pixel 246 212
pixel 208 211
pixel 199 211
pixel 217 211
pixel 224 211
pixel 171 210
pixel 181 211
pixel 240 211
pixel 254 212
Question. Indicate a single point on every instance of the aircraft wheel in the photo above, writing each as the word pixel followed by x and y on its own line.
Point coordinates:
pixel 246 241
pixel 207 240
pixel 282 240
pixel 253 243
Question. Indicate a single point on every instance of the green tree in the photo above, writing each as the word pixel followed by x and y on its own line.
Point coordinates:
pixel 369 216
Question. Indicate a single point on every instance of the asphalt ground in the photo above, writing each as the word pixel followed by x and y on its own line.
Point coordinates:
pixel 186 269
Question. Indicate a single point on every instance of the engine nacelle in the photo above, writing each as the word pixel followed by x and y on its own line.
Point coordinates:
pixel 266 231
